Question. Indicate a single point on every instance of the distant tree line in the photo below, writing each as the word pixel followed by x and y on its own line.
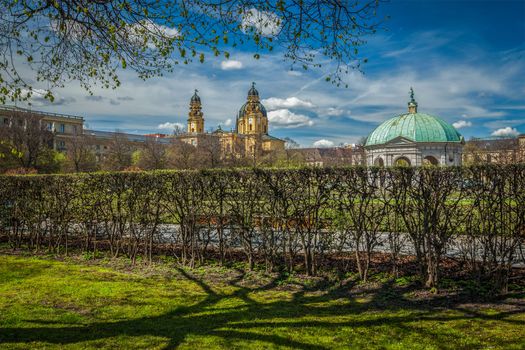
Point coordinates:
pixel 288 220
pixel 27 146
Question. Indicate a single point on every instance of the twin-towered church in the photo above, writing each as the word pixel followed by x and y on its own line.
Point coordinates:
pixel 251 128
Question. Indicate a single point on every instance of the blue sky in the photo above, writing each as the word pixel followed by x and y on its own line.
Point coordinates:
pixel 465 60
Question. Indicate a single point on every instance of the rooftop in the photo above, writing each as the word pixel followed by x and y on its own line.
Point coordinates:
pixel 414 126
pixel 129 137
pixel 27 110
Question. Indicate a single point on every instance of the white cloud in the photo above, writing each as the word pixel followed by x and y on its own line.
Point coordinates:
pixel 323 143
pixel 294 73
pixel 265 23
pixel 68 28
pixel 273 103
pixel 147 28
pixel 334 112
pixel 376 97
pixel 506 132
pixel 228 122
pixel 231 64
pixel 452 94
pixel 421 42
pixel 283 118
pixel 475 111
pixel 159 29
pixel 462 124
pixel 170 126
pixel 497 124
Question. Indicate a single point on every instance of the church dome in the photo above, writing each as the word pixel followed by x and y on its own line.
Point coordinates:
pixel 195 97
pixel 253 104
pixel 259 105
pixel 416 127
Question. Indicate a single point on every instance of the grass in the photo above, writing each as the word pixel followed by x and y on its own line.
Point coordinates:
pixel 46 303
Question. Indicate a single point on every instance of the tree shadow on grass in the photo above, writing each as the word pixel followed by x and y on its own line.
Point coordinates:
pixel 304 310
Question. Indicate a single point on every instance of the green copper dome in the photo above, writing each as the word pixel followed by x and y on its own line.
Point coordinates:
pixel 417 127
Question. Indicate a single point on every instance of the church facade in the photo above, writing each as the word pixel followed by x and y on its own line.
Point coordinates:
pixel 250 136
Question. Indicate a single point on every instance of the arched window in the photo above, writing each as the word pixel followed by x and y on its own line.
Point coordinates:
pixel 379 162
pixel 402 161
pixel 430 161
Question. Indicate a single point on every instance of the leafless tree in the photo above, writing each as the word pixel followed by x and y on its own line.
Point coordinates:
pixel 209 152
pixel 119 152
pixel 363 201
pixel 472 154
pixel 361 141
pixel 80 153
pixel 309 212
pixel 244 198
pixel 153 154
pixel 29 139
pixel 181 155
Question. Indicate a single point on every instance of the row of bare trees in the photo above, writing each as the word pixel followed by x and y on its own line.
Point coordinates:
pixel 86 153
pixel 294 220
pixel 27 146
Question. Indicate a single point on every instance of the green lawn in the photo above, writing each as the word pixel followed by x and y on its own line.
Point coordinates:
pixel 75 304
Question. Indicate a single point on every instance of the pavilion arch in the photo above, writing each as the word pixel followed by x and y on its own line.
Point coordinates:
pixel 402 161
pixel 379 162
pixel 430 161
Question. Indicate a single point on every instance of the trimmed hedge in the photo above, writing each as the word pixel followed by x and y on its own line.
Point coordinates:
pixel 290 219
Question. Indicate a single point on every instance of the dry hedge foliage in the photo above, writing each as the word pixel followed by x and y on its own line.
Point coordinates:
pixel 289 219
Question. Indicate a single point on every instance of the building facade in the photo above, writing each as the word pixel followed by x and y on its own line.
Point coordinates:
pixel 494 150
pixel 414 139
pixel 330 156
pixel 64 127
pixel 250 136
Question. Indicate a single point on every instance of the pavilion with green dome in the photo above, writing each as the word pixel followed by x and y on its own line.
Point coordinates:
pixel 414 139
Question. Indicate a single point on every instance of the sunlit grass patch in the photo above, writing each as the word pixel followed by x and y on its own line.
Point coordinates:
pixel 73 304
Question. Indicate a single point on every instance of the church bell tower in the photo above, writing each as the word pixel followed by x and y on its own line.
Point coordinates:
pixel 195 116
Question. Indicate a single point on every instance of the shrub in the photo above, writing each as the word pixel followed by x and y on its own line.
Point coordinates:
pixel 289 220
